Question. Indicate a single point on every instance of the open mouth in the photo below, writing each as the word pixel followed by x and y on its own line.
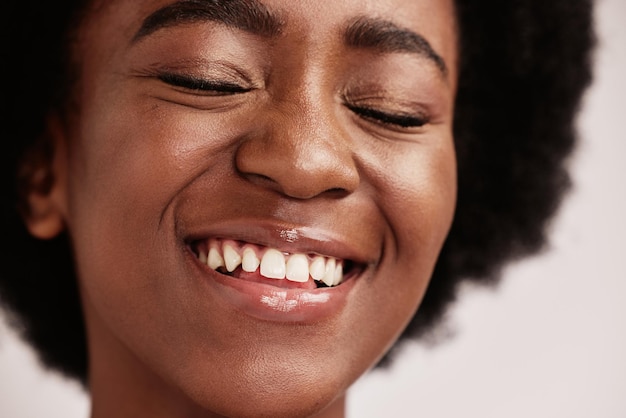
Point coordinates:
pixel 263 264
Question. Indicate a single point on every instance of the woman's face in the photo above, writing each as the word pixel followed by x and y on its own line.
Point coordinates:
pixel 312 138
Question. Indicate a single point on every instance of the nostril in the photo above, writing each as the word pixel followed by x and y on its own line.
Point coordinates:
pixel 261 180
pixel 298 168
pixel 336 192
pixel 301 188
pixel 258 177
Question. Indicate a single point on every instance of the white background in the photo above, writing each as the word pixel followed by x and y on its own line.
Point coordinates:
pixel 549 342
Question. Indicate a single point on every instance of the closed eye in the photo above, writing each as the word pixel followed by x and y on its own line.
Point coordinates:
pixel 386 118
pixel 203 86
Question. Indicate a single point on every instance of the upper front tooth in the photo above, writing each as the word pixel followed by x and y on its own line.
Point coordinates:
pixel 231 258
pixel 298 268
pixel 318 268
pixel 329 275
pixel 273 264
pixel 250 261
pixel 215 259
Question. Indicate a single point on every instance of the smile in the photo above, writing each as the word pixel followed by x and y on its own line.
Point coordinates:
pixel 252 261
pixel 279 273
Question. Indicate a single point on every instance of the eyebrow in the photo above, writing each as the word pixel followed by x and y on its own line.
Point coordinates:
pixel 387 37
pixel 254 17
pixel 247 15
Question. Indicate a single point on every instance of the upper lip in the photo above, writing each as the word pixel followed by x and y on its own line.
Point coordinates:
pixel 289 238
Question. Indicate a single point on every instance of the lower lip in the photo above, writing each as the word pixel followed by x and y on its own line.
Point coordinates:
pixel 271 303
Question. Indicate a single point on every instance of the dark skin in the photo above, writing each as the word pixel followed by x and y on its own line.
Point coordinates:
pixel 297 135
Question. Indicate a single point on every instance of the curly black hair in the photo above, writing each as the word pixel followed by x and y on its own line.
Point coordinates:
pixel 524 68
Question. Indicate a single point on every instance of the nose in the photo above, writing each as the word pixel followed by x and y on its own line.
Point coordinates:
pixel 300 156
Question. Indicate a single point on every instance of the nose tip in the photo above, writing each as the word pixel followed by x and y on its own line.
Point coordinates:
pixel 299 167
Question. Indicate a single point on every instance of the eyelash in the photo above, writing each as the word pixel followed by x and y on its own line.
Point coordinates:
pixel 225 88
pixel 201 85
pixel 399 120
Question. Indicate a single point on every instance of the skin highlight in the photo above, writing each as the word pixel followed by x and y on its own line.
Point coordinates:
pixel 311 129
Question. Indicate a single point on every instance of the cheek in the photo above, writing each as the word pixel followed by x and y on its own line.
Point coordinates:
pixel 132 158
pixel 127 166
pixel 418 195
pixel 420 199
pixel 416 185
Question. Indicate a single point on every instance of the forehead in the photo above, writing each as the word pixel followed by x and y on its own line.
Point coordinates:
pixel 404 11
pixel 433 21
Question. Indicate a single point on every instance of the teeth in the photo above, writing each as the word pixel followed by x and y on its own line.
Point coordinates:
pixel 329 274
pixel 338 274
pixel 273 264
pixel 318 268
pixel 231 258
pixel 298 268
pixel 215 259
pixel 202 256
pixel 250 261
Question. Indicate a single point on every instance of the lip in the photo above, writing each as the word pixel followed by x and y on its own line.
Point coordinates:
pixel 288 238
pixel 270 303
pixel 275 304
